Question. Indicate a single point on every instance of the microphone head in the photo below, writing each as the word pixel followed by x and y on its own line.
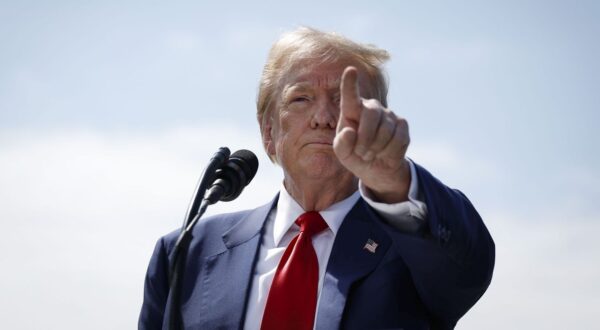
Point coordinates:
pixel 233 176
pixel 247 161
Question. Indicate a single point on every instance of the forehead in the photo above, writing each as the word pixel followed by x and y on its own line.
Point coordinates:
pixel 319 75
pixel 315 76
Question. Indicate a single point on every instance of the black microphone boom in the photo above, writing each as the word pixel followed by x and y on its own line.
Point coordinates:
pixel 206 180
pixel 232 177
pixel 227 176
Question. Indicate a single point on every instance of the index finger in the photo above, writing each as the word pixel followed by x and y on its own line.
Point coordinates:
pixel 350 101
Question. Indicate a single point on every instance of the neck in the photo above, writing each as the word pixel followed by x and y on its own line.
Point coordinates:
pixel 318 195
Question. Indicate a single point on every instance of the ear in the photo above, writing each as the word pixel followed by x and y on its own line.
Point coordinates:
pixel 267 136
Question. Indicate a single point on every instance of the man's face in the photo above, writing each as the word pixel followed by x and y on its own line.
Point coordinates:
pixel 302 125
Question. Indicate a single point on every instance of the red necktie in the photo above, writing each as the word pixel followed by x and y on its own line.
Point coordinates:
pixel 292 298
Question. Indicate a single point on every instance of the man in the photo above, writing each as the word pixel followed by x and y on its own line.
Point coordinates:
pixel 359 237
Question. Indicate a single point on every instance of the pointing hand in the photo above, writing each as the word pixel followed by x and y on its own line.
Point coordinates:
pixel 371 142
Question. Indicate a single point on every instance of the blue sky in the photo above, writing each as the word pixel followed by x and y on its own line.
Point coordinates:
pixel 109 111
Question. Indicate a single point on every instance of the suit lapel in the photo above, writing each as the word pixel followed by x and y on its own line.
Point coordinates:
pixel 352 257
pixel 227 275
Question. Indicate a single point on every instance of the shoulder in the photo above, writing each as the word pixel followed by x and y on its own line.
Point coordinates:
pixel 433 190
pixel 209 231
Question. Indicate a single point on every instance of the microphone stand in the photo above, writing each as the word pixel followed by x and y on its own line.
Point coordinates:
pixel 196 209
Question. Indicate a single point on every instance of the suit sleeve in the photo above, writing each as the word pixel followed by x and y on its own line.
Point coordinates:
pixel 451 259
pixel 156 289
pixel 407 216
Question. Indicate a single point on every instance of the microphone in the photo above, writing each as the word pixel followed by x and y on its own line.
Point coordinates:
pixel 233 176
pixel 207 178
pixel 227 176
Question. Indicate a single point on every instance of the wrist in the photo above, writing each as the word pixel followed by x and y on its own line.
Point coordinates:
pixel 395 187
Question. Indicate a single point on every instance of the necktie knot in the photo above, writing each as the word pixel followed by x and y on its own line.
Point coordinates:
pixel 311 223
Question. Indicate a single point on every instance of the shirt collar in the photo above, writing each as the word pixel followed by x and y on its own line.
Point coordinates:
pixel 288 210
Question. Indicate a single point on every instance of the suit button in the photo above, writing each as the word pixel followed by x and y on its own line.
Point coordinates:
pixel 443 233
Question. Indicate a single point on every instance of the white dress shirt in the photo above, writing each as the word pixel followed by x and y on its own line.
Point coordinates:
pixel 280 229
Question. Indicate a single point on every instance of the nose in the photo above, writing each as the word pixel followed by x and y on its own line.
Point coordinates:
pixel 325 115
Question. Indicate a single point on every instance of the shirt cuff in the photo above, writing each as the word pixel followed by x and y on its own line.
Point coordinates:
pixel 408 215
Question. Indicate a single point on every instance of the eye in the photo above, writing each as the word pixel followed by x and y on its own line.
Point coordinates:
pixel 336 99
pixel 302 98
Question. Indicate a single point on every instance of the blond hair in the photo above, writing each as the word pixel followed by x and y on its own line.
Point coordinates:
pixel 307 44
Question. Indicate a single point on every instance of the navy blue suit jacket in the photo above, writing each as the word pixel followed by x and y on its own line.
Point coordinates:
pixel 423 280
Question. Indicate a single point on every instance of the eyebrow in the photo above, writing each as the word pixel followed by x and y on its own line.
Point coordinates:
pixel 295 88
pixel 301 86
pixel 331 83
pixel 308 86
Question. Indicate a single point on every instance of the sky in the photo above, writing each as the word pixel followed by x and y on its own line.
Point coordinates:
pixel 109 111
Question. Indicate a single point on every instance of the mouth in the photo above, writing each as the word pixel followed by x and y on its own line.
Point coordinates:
pixel 320 143
pixel 319 147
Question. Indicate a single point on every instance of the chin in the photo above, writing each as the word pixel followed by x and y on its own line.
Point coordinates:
pixel 322 165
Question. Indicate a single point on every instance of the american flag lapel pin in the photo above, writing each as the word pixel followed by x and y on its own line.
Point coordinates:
pixel 370 246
